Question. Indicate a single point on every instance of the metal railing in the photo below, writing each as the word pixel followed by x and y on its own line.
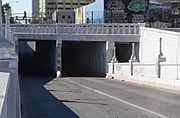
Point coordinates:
pixel 124 28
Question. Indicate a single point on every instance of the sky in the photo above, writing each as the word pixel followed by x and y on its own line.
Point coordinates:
pixel 26 5
pixel 98 6
pixel 21 6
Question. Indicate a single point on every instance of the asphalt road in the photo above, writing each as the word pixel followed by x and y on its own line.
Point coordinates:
pixel 46 97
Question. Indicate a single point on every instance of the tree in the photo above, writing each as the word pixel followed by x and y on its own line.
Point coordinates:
pixel 6 6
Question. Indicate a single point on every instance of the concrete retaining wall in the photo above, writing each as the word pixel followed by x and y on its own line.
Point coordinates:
pixel 9 90
pixel 149 45
pixel 146 74
pixel 168 71
pixel 147 69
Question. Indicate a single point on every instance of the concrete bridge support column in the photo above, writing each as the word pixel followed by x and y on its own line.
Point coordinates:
pixel 7 26
pixel 111 54
pixel 132 58
pixel 59 58
pixel 110 46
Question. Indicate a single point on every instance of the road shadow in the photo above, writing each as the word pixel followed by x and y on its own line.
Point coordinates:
pixel 38 102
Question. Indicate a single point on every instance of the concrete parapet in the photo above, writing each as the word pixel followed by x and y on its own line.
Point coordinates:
pixel 9 89
pixel 148 81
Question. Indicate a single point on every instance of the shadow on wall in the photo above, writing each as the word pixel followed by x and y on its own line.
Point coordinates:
pixel 38 102
pixel 83 59
pixel 123 52
pixel 37 57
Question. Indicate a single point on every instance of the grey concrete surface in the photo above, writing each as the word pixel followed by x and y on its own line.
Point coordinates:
pixel 44 97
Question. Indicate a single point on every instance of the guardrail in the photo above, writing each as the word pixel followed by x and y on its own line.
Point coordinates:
pixel 77 28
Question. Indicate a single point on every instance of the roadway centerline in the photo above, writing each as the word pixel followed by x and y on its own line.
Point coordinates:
pixel 117 99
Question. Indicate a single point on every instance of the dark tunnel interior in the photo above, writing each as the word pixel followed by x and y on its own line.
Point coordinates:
pixel 79 58
pixel 83 58
pixel 37 57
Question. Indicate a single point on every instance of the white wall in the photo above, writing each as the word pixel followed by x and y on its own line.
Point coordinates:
pixel 149 51
pixel 122 68
pixel 149 45
pixel 146 70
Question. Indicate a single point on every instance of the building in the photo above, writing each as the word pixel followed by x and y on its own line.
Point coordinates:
pixel 163 13
pixel 35 8
pixel 47 7
pixel 92 13
pixel 63 16
pixel 116 11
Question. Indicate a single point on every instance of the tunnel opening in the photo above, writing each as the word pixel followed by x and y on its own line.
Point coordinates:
pixel 82 58
pixel 37 57
pixel 124 51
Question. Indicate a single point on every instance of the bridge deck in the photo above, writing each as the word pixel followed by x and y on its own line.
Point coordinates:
pixel 80 37
pixel 81 32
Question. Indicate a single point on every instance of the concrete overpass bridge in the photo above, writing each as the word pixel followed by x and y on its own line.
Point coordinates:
pixel 73 49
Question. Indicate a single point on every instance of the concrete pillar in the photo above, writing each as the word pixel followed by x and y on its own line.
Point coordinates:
pixel 114 59
pixel 110 50
pixel 132 58
pixel 133 55
pixel 7 27
pixel 58 58
pixel 110 55
pixel 160 59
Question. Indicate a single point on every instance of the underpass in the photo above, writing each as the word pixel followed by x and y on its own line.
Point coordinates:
pixel 83 58
pixel 78 58
pixel 37 57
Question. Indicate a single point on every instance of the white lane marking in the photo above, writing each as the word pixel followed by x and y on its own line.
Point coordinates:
pixel 120 100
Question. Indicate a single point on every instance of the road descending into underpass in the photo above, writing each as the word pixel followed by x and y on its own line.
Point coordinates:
pixel 86 97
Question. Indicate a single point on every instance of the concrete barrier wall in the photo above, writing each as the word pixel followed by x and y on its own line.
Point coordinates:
pixel 138 69
pixel 168 71
pixel 149 45
pixel 4 82
pixel 9 91
pixel 122 68
pixel 147 70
